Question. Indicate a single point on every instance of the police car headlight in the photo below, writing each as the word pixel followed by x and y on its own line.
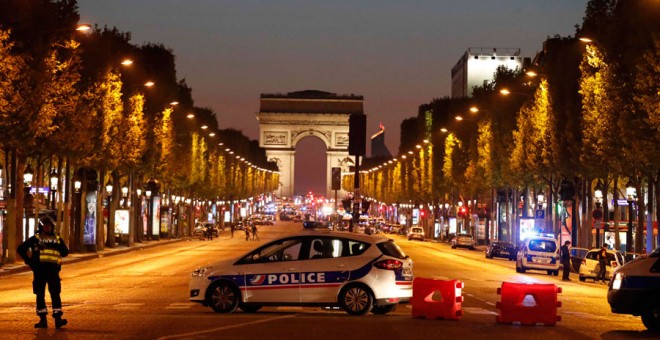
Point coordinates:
pixel 199 272
pixel 618 280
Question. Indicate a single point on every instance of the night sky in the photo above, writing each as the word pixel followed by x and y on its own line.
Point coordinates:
pixel 397 54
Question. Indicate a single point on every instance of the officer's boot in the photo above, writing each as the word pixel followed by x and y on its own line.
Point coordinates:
pixel 43 323
pixel 59 322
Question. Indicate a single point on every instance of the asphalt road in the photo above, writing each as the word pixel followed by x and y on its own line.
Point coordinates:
pixel 144 295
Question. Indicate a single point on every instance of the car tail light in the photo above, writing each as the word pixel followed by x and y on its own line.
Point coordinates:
pixel 389 264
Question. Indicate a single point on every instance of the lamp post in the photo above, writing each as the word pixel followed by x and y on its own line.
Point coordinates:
pixel 631 194
pixel 147 194
pixel 27 199
pixel 124 194
pixel 53 187
pixel 598 197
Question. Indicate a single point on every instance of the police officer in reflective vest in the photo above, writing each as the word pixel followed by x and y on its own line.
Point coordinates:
pixel 43 252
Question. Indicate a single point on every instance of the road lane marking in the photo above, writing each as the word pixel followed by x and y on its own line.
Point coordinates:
pixel 185 335
pixel 477 310
pixel 128 306
pixel 490 303
pixel 181 305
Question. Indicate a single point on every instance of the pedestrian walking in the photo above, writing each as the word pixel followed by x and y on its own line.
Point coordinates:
pixel 43 252
pixel 255 236
pixel 602 264
pixel 566 260
pixel 231 228
pixel 247 233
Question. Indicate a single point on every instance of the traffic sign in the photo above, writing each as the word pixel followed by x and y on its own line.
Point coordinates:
pixel 539 214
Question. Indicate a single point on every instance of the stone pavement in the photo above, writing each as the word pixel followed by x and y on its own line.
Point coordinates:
pixel 19 266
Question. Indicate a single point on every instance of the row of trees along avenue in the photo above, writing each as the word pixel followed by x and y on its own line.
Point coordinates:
pixel 73 100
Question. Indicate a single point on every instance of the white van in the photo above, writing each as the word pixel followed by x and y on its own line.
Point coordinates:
pixel 538 253
pixel 635 289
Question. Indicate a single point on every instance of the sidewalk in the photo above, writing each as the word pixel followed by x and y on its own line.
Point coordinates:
pixel 19 266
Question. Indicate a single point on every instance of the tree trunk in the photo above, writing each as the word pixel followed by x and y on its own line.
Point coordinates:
pixel 639 229
pixel 617 236
pixel 100 228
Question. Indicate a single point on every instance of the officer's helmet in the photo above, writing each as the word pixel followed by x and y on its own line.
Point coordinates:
pixel 46 220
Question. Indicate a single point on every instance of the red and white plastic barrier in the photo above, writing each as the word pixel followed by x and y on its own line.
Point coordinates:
pixel 437 299
pixel 528 304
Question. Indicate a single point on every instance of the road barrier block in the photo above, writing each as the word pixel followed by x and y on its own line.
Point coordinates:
pixel 437 299
pixel 528 304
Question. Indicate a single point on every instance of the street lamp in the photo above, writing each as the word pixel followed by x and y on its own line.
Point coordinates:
pixel 124 194
pixel 631 194
pixel 53 187
pixel 27 199
pixel 598 197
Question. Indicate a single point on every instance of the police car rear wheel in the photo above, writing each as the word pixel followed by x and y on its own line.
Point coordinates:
pixel 223 297
pixel 356 300
pixel 651 317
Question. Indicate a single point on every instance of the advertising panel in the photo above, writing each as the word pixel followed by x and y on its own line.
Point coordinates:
pixel 165 220
pixel 121 221
pixel 89 233
pixel 452 225
pixel 155 227
pixel 527 228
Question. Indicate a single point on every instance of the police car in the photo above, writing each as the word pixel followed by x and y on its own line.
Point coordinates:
pixel 635 289
pixel 540 252
pixel 359 273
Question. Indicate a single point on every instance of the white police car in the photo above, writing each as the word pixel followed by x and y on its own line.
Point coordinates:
pixel 539 252
pixel 359 273
pixel 635 289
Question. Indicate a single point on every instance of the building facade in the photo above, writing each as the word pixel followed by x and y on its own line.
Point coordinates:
pixel 479 64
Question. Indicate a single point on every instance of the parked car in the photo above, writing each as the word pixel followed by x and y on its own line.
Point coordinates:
pixel 202 227
pixel 357 273
pixel 416 233
pixel 463 240
pixel 538 253
pixel 501 249
pixel 634 290
pixel 577 255
pixel 394 229
pixel 590 266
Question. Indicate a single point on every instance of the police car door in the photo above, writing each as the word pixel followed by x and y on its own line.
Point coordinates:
pixel 324 271
pixel 273 275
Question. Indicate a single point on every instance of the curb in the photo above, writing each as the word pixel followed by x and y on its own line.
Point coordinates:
pixel 20 267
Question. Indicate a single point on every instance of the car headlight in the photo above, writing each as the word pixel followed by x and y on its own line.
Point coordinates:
pixel 199 272
pixel 618 280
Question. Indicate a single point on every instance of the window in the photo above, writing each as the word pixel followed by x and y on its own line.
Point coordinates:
pixel 281 250
pixel 543 246
pixel 390 248
pixel 325 247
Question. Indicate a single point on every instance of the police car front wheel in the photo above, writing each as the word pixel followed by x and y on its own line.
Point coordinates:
pixel 356 300
pixel 223 297
pixel 651 317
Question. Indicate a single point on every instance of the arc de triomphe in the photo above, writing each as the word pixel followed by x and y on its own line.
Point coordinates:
pixel 286 119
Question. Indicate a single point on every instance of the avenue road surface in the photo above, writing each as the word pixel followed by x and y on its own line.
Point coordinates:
pixel 143 294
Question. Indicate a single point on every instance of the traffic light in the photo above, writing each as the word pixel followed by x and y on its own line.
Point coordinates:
pixel 336 178
pixel 462 212
pixel 357 134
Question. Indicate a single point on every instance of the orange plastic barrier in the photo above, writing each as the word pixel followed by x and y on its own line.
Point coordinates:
pixel 528 304
pixel 437 299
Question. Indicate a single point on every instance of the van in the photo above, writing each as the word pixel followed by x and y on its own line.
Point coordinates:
pixel 538 253
pixel 635 289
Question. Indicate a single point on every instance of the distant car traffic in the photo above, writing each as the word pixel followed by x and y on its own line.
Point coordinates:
pixel 201 229
pixel 358 273
pixel 416 233
pixel 463 240
pixel 590 265
pixel 501 249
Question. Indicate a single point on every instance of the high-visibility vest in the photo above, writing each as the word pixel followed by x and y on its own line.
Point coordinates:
pixel 51 255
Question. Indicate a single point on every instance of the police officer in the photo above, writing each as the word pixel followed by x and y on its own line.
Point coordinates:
pixel 43 252
pixel 566 260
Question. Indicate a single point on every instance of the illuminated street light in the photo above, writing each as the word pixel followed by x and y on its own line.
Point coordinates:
pixel 531 73
pixel 190 116
pixel 204 127
pixel 174 103
pixel 127 62
pixel 27 175
pixel 83 27
pixel 149 84
pixel 474 109
pixel 505 92
pixel 443 130
pixel 53 187
pixel 586 40
pixel 458 118
pixel 631 195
